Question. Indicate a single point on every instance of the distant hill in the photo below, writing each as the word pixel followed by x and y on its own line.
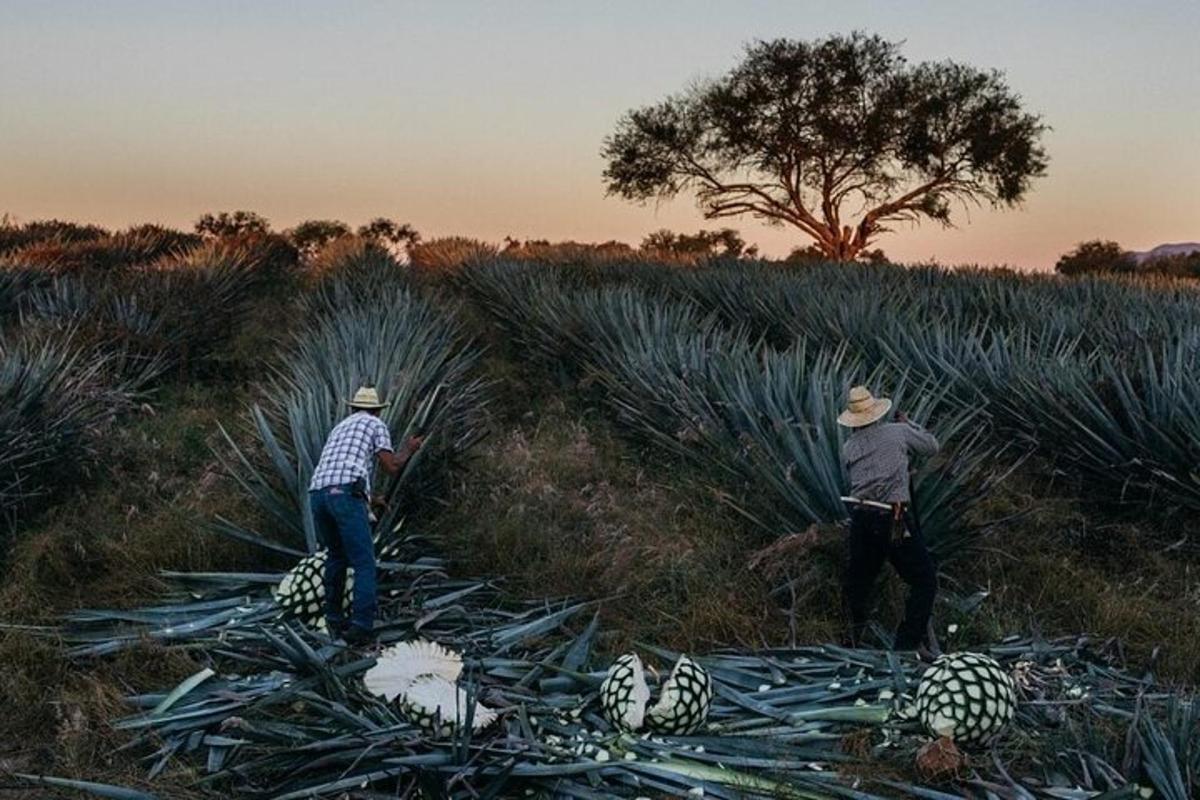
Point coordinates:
pixel 1164 250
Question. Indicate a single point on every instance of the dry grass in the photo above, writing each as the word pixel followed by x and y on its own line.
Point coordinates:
pixel 559 505
pixel 104 546
pixel 1066 568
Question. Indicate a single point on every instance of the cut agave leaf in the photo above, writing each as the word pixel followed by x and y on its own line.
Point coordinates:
pixel 399 667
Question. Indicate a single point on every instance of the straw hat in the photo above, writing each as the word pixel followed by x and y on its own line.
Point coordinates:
pixel 366 397
pixel 863 408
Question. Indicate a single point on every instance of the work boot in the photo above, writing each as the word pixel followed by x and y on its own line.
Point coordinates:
pixel 358 637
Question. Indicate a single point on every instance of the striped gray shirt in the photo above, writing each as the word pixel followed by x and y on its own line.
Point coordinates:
pixel 876 458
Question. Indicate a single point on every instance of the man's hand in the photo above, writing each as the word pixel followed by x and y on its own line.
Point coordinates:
pixel 378 503
pixel 394 462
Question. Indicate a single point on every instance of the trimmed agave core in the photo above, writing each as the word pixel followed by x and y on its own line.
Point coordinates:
pixel 682 706
pixel 967 697
pixel 301 593
pixel 422 677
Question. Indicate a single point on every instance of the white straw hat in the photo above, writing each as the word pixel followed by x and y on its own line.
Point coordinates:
pixel 863 408
pixel 367 397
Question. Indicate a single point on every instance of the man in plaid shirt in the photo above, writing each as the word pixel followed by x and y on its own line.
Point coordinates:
pixel 338 496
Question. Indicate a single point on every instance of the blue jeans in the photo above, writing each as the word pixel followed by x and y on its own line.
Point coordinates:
pixel 343 527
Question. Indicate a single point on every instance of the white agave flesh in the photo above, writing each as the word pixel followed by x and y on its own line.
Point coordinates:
pixel 433 697
pixel 400 666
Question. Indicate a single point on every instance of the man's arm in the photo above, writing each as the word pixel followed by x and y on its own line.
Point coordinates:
pixel 919 440
pixel 393 462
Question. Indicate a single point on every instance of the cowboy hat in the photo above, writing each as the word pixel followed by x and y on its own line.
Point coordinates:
pixel 863 408
pixel 366 397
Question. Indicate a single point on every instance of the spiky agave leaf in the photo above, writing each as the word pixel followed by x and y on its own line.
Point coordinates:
pixel 56 395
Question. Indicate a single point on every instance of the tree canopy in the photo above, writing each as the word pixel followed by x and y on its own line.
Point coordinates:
pixel 841 138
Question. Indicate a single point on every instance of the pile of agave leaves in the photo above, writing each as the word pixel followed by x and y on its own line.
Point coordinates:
pixel 280 711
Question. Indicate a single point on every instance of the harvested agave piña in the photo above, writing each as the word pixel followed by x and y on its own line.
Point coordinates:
pixel 683 704
pixel 967 697
pixel 624 693
pixel 301 593
pixel 422 678
pixel 681 708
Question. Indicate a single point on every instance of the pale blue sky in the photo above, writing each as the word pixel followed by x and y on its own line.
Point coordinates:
pixel 486 119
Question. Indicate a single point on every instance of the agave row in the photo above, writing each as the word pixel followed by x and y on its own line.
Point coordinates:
pixel 1096 374
pixel 762 419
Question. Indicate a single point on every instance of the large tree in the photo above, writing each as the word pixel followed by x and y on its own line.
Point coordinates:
pixel 840 138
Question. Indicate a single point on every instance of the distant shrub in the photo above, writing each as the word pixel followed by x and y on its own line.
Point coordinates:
pixel 723 243
pixel 139 245
pixel 14 237
pixel 450 253
pixel 1183 265
pixel 398 234
pixel 568 252
pixel 237 223
pixel 311 235
pixel 814 255
pixel 1096 256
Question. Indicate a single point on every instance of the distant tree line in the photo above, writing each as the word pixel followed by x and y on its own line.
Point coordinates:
pixel 1100 257
pixel 70 246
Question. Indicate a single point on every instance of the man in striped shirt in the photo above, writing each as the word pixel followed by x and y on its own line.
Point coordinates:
pixel 883 526
pixel 339 496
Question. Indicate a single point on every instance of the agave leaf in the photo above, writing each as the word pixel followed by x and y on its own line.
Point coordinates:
pixel 98 789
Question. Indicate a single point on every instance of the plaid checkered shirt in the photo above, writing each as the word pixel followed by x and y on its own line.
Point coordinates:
pixel 876 459
pixel 349 452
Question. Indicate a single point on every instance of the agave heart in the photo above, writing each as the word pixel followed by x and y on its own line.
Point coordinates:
pixel 422 678
pixel 682 705
pixel 301 593
pixel 966 697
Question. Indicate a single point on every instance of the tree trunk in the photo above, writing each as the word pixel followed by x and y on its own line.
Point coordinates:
pixel 843 245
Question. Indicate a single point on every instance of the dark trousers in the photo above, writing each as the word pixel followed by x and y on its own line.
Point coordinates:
pixel 870 545
pixel 343 526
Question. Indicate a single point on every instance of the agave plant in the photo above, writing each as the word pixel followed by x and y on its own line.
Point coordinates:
pixel 54 397
pixel 418 357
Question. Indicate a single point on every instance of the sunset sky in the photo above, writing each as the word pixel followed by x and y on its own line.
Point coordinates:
pixel 486 119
